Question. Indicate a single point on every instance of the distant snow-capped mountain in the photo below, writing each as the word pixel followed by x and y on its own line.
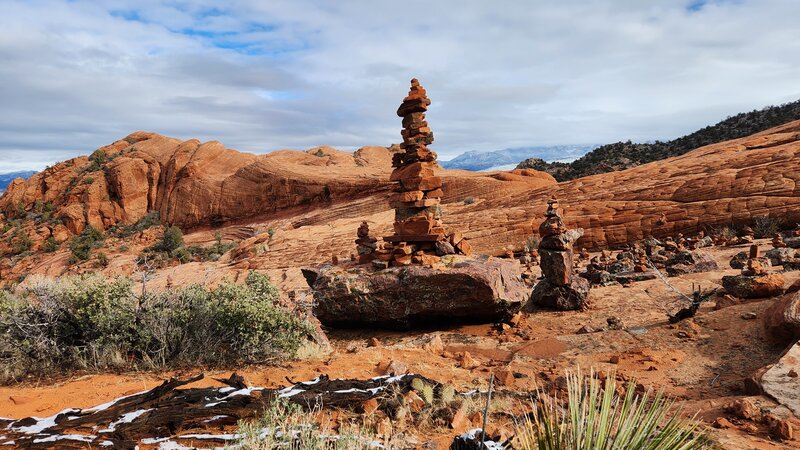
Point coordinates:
pixel 475 160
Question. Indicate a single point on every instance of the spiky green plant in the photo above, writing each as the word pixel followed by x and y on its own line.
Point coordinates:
pixel 448 394
pixel 427 394
pixel 595 417
pixel 417 384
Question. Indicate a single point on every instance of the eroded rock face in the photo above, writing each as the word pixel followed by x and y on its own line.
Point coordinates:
pixel 469 291
pixel 782 319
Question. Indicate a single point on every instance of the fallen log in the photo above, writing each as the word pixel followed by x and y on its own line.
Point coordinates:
pixel 169 413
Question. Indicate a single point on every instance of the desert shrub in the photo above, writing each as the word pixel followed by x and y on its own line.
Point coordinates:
pixel 88 180
pixel 98 157
pixel 594 416
pixel 82 245
pixel 149 220
pixel 90 322
pixel 726 232
pixel 531 244
pixel 468 200
pixel 20 210
pixel 102 259
pixel 21 243
pixel 766 226
pixel 50 245
pixel 171 240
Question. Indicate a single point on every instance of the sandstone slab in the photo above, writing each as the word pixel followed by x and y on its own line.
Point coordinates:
pixel 469 291
pixel 781 381
pixel 759 286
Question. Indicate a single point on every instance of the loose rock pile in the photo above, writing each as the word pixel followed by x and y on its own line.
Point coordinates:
pixel 560 289
pixel 754 281
pixel 366 244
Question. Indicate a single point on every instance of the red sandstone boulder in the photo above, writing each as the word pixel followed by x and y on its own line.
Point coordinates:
pixel 469 291
pixel 782 318
pixel 758 286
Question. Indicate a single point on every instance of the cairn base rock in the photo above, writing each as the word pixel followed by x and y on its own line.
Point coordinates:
pixel 468 291
pixel 565 298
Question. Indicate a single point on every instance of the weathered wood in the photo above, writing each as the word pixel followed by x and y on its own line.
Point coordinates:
pixel 168 412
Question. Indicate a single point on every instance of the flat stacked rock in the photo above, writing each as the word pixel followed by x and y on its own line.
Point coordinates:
pixel 366 244
pixel 419 235
pixel 561 288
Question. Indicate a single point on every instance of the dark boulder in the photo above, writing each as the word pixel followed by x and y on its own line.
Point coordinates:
pixel 759 286
pixel 469 291
pixel 777 256
pixel 690 262
pixel 565 298
pixel 739 260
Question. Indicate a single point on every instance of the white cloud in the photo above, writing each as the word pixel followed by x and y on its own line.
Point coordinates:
pixel 260 76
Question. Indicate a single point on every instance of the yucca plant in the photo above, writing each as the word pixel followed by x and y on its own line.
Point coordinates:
pixel 595 417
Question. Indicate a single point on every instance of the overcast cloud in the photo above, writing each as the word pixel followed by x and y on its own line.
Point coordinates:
pixel 266 75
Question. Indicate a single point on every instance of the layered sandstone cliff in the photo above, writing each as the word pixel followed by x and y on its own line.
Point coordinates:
pixel 315 195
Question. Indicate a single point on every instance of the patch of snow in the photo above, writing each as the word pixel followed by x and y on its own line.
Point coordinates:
pixel 473 435
pixel 209 405
pixel 221 437
pixel 170 445
pixel 225 389
pixel 68 437
pixel 8 443
pixel 289 392
pixel 126 418
pixel 154 440
pixel 106 444
pixel 216 418
pixel 42 423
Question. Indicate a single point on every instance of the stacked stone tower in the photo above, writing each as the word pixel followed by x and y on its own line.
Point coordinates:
pixel 419 190
pixel 419 235
pixel 561 287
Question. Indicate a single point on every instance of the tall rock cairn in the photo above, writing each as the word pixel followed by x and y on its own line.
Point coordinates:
pixel 418 231
pixel 417 214
pixel 561 287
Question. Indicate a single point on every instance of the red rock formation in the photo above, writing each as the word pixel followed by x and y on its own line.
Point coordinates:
pixel 198 185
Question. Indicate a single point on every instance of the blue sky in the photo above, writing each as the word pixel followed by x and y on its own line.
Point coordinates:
pixel 261 76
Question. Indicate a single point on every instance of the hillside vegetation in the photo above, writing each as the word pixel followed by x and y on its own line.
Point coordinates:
pixel 622 155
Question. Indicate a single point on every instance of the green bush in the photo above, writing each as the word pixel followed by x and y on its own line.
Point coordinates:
pixel 90 322
pixel 102 259
pixel 50 245
pixel 21 244
pixel 88 180
pixel 595 416
pixel 171 240
pixel 149 220
pixel 766 226
pixel 82 245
